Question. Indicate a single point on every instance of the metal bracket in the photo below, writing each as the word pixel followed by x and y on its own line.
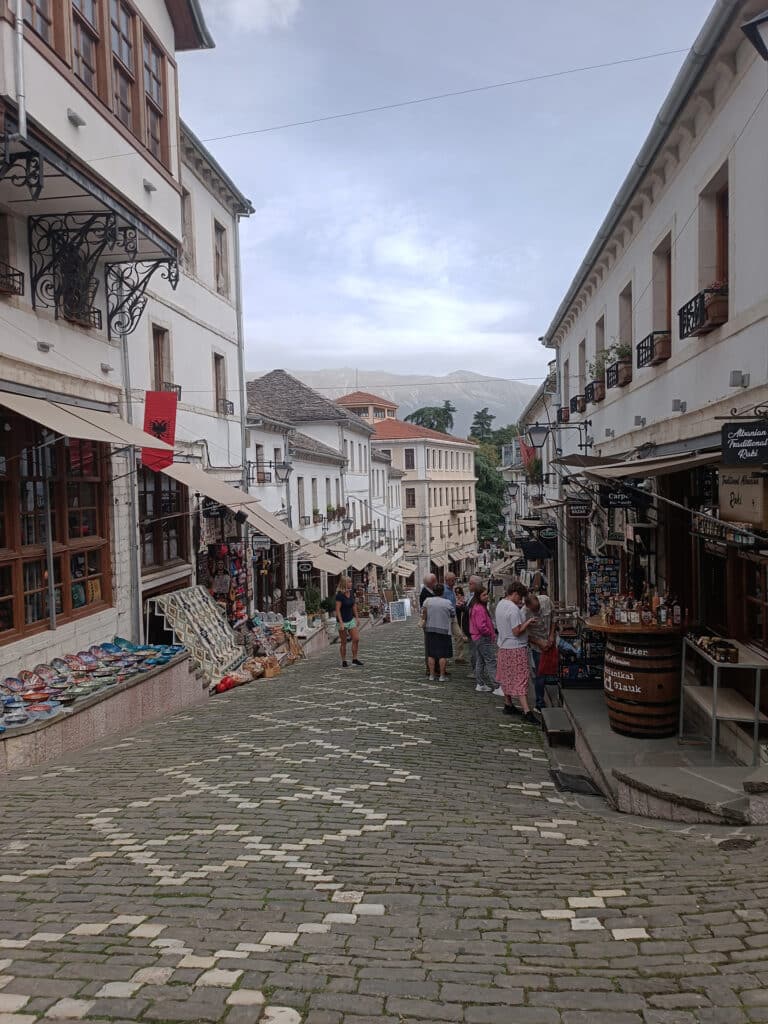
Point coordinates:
pixel 65 250
pixel 127 285
pixel 30 173
pixel 756 412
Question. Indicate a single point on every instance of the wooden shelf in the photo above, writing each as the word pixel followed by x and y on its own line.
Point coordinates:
pixel 731 706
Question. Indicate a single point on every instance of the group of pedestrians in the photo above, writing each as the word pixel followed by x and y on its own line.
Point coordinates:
pixel 504 652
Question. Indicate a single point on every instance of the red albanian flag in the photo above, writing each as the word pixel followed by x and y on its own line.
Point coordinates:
pixel 160 422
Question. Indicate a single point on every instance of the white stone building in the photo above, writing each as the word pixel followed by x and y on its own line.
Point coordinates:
pixel 663 329
pixel 90 214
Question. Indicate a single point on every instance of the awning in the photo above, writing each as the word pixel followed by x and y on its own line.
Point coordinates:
pixel 321 560
pixel 585 461
pixel 377 560
pixel 196 479
pixel 642 468
pixel 441 561
pixel 535 550
pixel 83 424
pixel 359 558
pixel 531 524
pixel 455 556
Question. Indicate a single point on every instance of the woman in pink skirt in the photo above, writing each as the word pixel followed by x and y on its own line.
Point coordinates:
pixel 512 671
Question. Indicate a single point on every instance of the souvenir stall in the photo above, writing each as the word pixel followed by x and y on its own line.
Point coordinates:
pixel 222 566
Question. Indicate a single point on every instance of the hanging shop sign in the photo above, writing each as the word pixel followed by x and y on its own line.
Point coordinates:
pixel 304 567
pixel 618 497
pixel 743 498
pixel 745 444
pixel 548 533
pixel 260 542
pixel 212 509
pixel 578 509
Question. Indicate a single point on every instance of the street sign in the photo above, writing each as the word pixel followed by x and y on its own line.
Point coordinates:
pixel 578 509
pixel 745 444
pixel 260 542
pixel 304 567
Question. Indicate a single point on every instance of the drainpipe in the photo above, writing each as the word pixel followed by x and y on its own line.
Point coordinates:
pixel 21 98
pixel 133 503
pixel 241 379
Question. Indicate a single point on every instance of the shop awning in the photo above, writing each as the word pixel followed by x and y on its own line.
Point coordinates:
pixel 585 461
pixel 441 561
pixel 197 480
pixel 359 558
pixel 321 560
pixel 531 524
pixel 653 467
pixel 83 424
pixel 455 556
pixel 378 560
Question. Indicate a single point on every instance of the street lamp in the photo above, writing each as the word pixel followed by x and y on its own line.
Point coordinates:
pixel 282 471
pixel 512 490
pixel 346 524
pixel 756 32
pixel 538 434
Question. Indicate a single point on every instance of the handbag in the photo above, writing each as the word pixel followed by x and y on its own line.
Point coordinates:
pixel 549 662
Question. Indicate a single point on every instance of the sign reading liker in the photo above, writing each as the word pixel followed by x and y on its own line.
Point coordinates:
pixel 745 444
pixel 579 509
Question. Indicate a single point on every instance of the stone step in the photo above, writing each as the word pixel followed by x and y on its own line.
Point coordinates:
pixel 558 727
pixel 713 795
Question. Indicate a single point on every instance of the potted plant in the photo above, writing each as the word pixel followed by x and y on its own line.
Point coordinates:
pixel 716 303
pixel 621 365
pixel 341 511
pixel 330 513
pixel 596 387
pixel 662 347
pixel 316 515
pixel 311 601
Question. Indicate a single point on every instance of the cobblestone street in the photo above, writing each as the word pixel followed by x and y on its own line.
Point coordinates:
pixel 356 846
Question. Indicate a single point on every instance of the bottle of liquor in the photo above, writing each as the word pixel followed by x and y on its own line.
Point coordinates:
pixel 663 613
pixel 677 613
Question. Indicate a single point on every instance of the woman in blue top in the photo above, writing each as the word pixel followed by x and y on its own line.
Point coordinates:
pixel 347 617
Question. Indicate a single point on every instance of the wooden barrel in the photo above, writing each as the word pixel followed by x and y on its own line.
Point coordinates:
pixel 642 684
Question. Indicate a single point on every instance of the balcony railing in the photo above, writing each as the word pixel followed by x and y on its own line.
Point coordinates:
pixel 704 312
pixel 11 280
pixel 176 388
pixel 460 505
pixel 578 403
pixel 654 349
pixel 619 374
pixel 563 414
pixel 257 475
pixel 305 520
pixel 83 316
pixel 595 391
pixel 224 407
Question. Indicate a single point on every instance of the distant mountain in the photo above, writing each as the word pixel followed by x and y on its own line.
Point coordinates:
pixel 468 391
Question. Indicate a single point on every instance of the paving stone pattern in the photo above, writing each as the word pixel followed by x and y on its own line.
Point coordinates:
pixel 348 846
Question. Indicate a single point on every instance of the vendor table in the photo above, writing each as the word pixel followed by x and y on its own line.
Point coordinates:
pixel 641 677
pixel 724 704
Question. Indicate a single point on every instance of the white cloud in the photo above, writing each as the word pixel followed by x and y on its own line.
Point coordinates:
pixel 254 15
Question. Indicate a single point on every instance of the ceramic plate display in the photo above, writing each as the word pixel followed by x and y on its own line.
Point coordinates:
pixel 13 685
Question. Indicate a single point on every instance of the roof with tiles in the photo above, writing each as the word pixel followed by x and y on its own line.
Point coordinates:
pixel 303 444
pixel 399 430
pixel 279 395
pixel 356 398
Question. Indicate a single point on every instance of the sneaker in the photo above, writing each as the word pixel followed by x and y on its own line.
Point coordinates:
pixel 530 718
pixel 431 679
pixel 344 664
pixel 483 689
pixel 356 661
pixel 511 709
pixel 443 679
pixel 498 692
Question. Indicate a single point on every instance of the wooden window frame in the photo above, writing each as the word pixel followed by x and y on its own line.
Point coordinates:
pixel 410 491
pixel 158 522
pixel 16 556
pixel 162 373
pixel 151 105
pixel 722 232
pixel 219 381
pixel 221 259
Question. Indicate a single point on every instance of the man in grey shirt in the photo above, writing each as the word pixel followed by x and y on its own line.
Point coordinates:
pixel 437 615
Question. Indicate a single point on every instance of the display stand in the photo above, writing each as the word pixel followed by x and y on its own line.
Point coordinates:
pixel 200 623
pixel 725 704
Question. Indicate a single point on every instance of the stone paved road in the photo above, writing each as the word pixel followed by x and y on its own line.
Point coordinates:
pixel 357 846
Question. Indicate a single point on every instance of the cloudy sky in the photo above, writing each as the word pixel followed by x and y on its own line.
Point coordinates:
pixel 439 236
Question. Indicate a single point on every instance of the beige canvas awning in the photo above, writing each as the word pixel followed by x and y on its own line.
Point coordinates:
pixel 359 558
pixel 441 561
pixel 201 482
pixel 405 569
pixel 321 560
pixel 642 468
pixel 378 560
pixel 83 424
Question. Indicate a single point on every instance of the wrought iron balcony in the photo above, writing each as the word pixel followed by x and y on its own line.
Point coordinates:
pixel 563 414
pixel 84 316
pixel 618 374
pixel 257 475
pixel 11 280
pixel 459 505
pixel 305 520
pixel 224 407
pixel 654 349
pixel 704 312
pixel 578 403
pixel 168 386
pixel 594 392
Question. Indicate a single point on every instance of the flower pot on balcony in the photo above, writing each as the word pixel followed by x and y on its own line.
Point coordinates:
pixel 662 349
pixel 563 414
pixel 717 309
pixel 624 372
pixel 596 391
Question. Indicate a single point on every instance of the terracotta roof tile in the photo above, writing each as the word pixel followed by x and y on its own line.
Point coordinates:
pixel 365 398
pixel 399 430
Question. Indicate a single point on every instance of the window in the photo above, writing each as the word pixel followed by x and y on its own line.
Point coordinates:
pixel 440 459
pixel 338 493
pixel 164 520
pixel 626 329
pixel 722 229
pixel 662 286
pixel 315 504
pixel 123 71
pixel 37 14
pixel 70 478
pixel 301 498
pixel 220 259
pixel 410 532
pixel 379 414
pixel 410 458
pixel 600 348
pixel 277 454
pixel 328 493
pixel 352 456
pixel 360 458
pixel 187 232
pixel 161 358
pixel 582 366
pixel 410 497
pixel 566 382
pixel 219 383
pixel 154 98
pixel 85 40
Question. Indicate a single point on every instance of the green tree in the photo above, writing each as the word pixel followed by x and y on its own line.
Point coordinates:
pixel 434 417
pixel 489 491
pixel 482 428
